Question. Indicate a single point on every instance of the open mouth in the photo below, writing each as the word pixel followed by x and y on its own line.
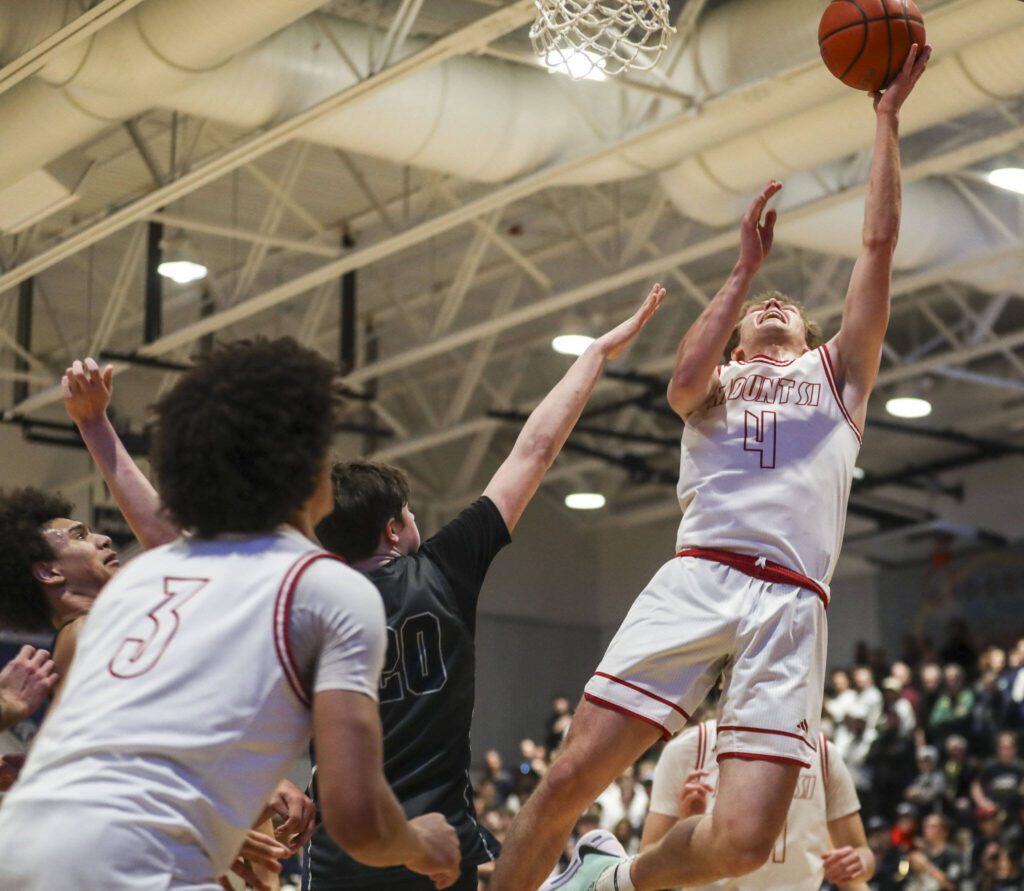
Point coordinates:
pixel 111 561
pixel 773 314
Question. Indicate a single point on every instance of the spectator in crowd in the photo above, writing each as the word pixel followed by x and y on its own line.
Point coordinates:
pixel 953 710
pixel 557 724
pixel 853 742
pixel 989 699
pixel 892 762
pixel 959 769
pixel 999 783
pixel 931 690
pixel 839 696
pixel 504 784
pixel 935 863
pixel 625 798
pixel 892 698
pixel 958 650
pixel 868 695
pixel 626 835
pixel 891 867
pixel 927 791
pixel 905 675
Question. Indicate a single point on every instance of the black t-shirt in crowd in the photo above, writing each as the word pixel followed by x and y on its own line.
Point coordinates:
pixel 1002 782
pixel 426 691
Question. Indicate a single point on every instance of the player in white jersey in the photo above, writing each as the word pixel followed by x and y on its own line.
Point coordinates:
pixel 767 462
pixel 823 836
pixel 205 664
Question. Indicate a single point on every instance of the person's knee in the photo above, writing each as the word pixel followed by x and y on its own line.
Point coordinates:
pixel 566 782
pixel 745 848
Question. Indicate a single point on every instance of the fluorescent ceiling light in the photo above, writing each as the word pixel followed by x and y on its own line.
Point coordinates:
pixel 182 271
pixel 908 407
pixel 1009 178
pixel 578 65
pixel 585 501
pixel 571 344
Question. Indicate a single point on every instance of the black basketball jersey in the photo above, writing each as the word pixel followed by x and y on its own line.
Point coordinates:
pixel 426 691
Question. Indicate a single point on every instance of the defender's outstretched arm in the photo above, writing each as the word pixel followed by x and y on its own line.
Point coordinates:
pixel 87 392
pixel 516 482
pixel 700 351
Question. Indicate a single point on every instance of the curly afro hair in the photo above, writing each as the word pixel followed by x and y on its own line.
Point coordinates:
pixel 366 496
pixel 240 441
pixel 23 514
pixel 813 337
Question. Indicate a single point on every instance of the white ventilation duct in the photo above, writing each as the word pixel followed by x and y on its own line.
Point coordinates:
pixel 151 51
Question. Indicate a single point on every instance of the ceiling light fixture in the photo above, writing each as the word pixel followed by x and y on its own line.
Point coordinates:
pixel 585 501
pixel 571 344
pixel 184 272
pixel 908 407
pixel 1009 178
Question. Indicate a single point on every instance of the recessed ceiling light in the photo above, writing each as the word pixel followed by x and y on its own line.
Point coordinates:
pixel 585 501
pixel 908 407
pixel 183 272
pixel 571 344
pixel 1009 178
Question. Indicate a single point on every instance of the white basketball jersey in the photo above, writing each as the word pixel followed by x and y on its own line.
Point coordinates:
pixel 767 463
pixel 183 709
pixel 795 862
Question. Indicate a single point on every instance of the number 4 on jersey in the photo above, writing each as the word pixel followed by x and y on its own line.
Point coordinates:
pixel 144 646
pixel 759 436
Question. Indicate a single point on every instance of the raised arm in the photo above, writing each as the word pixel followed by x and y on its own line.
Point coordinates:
pixel 700 351
pixel 866 309
pixel 87 392
pixel 516 482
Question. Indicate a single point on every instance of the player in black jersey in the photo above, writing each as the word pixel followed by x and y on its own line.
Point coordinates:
pixel 430 594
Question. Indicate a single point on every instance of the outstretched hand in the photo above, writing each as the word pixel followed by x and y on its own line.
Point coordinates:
pixel 87 390
pixel 756 237
pixel 891 101
pixel 693 797
pixel 842 865
pixel 614 343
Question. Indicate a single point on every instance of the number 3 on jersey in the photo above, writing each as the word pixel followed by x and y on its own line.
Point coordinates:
pixel 759 436
pixel 144 646
pixel 415 657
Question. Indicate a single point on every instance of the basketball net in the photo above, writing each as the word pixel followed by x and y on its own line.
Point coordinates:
pixel 584 38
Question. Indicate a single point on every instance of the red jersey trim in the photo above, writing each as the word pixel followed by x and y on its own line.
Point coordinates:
pixel 282 611
pixel 622 710
pixel 654 696
pixel 830 375
pixel 802 739
pixel 747 564
pixel 754 756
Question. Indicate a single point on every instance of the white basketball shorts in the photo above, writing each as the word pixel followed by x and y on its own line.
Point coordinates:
pixel 698 618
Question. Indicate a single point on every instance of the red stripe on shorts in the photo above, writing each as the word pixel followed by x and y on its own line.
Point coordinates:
pixel 748 565
pixel 622 710
pixel 753 756
pixel 610 677
pixel 802 739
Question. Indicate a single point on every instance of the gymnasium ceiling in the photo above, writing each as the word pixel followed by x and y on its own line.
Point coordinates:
pixel 484 205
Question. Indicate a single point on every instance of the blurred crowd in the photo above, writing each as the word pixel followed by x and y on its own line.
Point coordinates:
pixel 932 741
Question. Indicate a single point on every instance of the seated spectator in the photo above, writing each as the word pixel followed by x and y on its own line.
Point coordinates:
pixel 868 695
pixel 953 710
pixel 625 798
pixel 999 783
pixel 935 863
pixel 931 690
pixel 839 696
pixel 503 782
pixel 1008 875
pixel 989 825
pixel 557 724
pixel 959 769
pixel 905 675
pixel 853 742
pixel 927 791
pixel 891 759
pixel 892 698
pixel 904 831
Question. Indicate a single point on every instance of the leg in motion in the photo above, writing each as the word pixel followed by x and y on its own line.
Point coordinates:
pixel 600 744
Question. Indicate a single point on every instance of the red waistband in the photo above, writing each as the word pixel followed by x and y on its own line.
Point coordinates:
pixel 758 568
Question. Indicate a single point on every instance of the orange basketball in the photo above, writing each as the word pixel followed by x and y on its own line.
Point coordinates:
pixel 865 42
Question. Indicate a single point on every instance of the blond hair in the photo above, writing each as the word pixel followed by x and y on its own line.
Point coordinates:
pixel 812 330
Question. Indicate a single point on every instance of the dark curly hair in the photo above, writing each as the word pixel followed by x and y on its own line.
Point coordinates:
pixel 23 513
pixel 813 337
pixel 241 439
pixel 366 496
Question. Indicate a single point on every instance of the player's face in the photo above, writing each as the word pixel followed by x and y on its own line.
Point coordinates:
pixel 408 532
pixel 772 321
pixel 86 560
